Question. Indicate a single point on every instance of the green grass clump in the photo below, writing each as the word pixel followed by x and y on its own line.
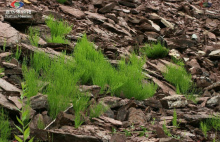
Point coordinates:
pixel 1 71
pixel 18 53
pixel 155 51
pixel 61 1
pixel 126 80
pixel 214 123
pixel 174 121
pixel 166 131
pixel 80 104
pixel 58 29
pixel 33 36
pixel 178 76
pixel 204 128
pixel 5 129
pixel 97 110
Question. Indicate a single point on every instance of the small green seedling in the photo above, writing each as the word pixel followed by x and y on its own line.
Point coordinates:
pixel 24 129
pixel 18 53
pixel 204 128
pixel 166 131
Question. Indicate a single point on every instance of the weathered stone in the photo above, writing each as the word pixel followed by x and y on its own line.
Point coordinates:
pixel 153 103
pixel 10 89
pixel 107 8
pixel 96 16
pixel 174 101
pixel 113 102
pixel 8 65
pixel 215 53
pixel 136 116
pixel 6 104
pixel 39 102
pixel 214 101
pixel 64 119
pixel 72 11
pixel 8 35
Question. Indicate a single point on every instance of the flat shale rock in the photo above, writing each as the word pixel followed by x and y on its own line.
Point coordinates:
pixel 214 101
pixel 114 102
pixel 7 104
pixel 39 102
pixel 8 34
pixel 9 89
pixel 174 101
pixel 136 116
pixel 72 11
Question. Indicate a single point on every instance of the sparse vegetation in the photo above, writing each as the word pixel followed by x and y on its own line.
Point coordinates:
pixel 40 123
pixel 4 45
pixel 1 71
pixel 25 112
pixel 178 76
pixel 80 104
pixel 18 53
pixel 5 129
pixel 174 121
pixel 166 131
pixel 97 110
pixel 204 128
pixel 154 51
pixel 58 29
pixel 33 36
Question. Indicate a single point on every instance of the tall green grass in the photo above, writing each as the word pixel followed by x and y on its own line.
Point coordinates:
pixel 33 36
pixel 178 76
pixel 59 29
pixel 89 67
pixel 126 80
pixel 5 129
pixel 154 51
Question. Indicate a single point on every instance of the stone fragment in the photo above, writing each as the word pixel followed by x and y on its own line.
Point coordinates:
pixel 113 102
pixel 72 11
pixel 6 104
pixel 39 102
pixel 174 101
pixel 107 8
pixel 8 35
pixel 214 101
pixel 10 89
pixel 136 116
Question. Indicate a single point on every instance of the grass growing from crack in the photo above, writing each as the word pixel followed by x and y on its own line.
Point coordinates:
pixel 97 110
pixel 154 51
pixel 5 129
pixel 178 76
pixel 174 121
pixel 18 53
pixel 204 128
pixel 80 104
pixel 1 71
pixel 166 131
pixel 33 36
pixel 58 29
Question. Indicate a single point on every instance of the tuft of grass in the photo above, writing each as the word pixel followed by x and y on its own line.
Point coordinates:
pixel 126 80
pixel 18 53
pixel 97 110
pixel 174 121
pixel 80 104
pixel 1 71
pixel 40 123
pixel 213 122
pixel 4 45
pixel 5 129
pixel 204 128
pixel 166 131
pixel 155 51
pixel 58 29
pixel 179 77
pixel 33 36
pixel 61 1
